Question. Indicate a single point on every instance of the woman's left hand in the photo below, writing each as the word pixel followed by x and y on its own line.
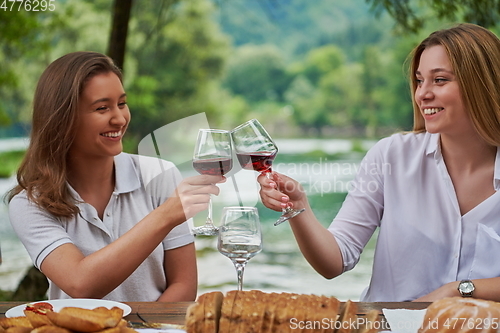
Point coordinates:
pixel 447 290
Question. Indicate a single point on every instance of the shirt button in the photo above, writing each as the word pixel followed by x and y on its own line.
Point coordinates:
pixel 108 214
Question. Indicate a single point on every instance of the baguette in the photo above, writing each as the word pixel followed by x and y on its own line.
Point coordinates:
pixel 50 329
pixel 36 319
pixel 18 329
pixel 85 320
pixel 15 322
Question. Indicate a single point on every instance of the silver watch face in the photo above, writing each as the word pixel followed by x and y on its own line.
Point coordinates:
pixel 466 287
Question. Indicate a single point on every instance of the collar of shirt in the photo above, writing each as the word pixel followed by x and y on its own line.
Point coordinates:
pixel 127 175
pixel 434 147
pixel 127 179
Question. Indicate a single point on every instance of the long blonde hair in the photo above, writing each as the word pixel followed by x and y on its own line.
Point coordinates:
pixel 43 171
pixel 474 54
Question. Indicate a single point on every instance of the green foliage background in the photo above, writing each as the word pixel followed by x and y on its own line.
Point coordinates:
pixel 325 68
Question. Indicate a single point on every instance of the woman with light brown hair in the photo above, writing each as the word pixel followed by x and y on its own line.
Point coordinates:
pixel 432 193
pixel 100 223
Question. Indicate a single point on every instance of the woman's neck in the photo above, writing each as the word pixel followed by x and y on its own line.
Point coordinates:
pixel 91 175
pixel 467 153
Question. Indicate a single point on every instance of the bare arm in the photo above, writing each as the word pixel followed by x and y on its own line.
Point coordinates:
pixel 182 274
pixel 102 271
pixel 316 243
pixel 485 289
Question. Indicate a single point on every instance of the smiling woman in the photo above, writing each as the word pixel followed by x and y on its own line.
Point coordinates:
pixel 100 223
pixel 103 118
pixel 440 193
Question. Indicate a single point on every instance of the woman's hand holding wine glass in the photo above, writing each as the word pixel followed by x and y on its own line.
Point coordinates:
pixel 212 156
pixel 256 150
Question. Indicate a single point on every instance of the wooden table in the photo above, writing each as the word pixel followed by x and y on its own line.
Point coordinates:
pixel 174 313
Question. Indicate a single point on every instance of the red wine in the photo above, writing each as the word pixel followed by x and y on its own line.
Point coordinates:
pixel 213 166
pixel 259 161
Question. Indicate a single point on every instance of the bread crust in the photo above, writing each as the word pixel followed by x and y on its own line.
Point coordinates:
pixel 226 311
pixel 369 324
pixel 15 322
pixel 346 317
pixel 212 309
pixel 191 318
pixel 85 320
pixel 37 319
pixel 50 329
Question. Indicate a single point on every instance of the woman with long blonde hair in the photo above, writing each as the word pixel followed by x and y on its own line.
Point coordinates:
pixel 432 193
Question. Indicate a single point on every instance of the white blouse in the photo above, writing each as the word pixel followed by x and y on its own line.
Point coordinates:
pixel 424 242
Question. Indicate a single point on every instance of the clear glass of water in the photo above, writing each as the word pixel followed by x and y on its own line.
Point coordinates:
pixel 240 237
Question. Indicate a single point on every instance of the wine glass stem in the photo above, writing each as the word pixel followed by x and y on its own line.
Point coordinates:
pixel 240 268
pixel 209 217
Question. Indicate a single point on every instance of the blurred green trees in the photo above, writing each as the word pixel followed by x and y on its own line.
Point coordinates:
pixel 323 68
pixel 411 15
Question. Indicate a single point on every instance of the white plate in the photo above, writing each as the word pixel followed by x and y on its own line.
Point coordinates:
pixel 58 304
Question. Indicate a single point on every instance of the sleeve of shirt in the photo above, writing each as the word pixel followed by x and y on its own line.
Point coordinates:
pixel 363 207
pixel 161 188
pixel 39 231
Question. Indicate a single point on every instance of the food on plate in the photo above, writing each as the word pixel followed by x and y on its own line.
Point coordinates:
pixel 39 307
pixel 460 315
pixel 50 329
pixel 85 320
pixel 15 322
pixel 255 311
pixel 68 320
pixel 18 329
pixel 37 319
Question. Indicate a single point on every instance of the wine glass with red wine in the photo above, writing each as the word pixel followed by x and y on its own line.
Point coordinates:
pixel 212 156
pixel 256 150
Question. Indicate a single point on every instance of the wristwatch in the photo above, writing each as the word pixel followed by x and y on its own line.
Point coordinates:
pixel 466 288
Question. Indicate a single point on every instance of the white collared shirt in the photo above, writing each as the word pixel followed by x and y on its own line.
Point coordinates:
pixel 142 184
pixel 424 242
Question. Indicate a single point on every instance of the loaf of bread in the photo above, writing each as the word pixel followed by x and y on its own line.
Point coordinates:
pixel 461 315
pixel 255 311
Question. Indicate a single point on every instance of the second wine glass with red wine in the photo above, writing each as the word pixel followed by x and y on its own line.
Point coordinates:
pixel 256 150
pixel 212 156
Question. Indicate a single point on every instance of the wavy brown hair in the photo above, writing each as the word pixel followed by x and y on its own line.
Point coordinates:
pixel 43 171
pixel 474 54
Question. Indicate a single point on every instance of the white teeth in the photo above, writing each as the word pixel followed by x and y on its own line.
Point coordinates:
pixel 112 134
pixel 432 110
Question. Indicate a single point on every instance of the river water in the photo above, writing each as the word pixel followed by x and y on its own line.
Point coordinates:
pixel 280 266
